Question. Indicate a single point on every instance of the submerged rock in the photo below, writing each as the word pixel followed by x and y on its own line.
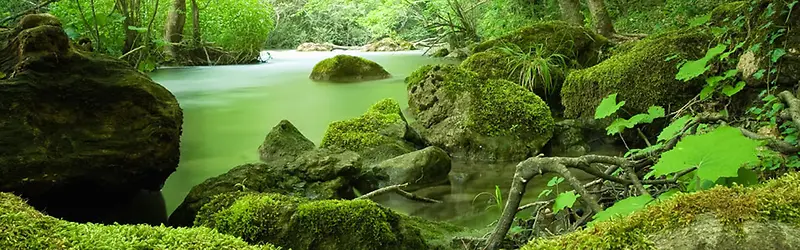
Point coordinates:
pixel 389 44
pixel 422 168
pixel 25 228
pixel 478 119
pixel 331 224
pixel 576 43
pixel 307 47
pixel 78 128
pixel 346 68
pixel 759 217
pixel 624 74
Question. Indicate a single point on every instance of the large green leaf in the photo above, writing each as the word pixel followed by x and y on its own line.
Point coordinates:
pixel 716 154
pixel 608 106
pixel 564 200
pixel 618 125
pixel 693 69
pixel 674 128
pixel 732 90
pixel 623 208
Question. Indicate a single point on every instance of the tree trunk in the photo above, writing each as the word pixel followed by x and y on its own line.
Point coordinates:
pixel 602 21
pixel 196 37
pixel 131 10
pixel 571 11
pixel 175 22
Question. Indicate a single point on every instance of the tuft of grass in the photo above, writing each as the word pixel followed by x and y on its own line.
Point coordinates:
pixel 535 66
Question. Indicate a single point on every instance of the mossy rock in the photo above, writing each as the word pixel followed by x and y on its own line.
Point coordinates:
pixel 22 227
pixel 317 174
pixel 640 76
pixel 346 68
pixel 389 44
pixel 760 217
pixel 494 64
pixel 377 135
pixel 284 143
pixel 576 43
pixel 79 127
pixel 330 224
pixel 419 169
pixel 775 30
pixel 475 118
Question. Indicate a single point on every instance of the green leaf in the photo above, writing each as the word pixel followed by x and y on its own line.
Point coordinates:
pixel 555 181
pixel 777 54
pixel 693 69
pixel 608 106
pixel 759 74
pixel 544 193
pixel 716 154
pixel 707 91
pixel 672 57
pixel 667 195
pixel 674 128
pixel 622 208
pixel 138 29
pixel 725 55
pixel 700 20
pixel 745 177
pixel 730 73
pixel 755 48
pixel 618 125
pixel 732 90
pixel 564 200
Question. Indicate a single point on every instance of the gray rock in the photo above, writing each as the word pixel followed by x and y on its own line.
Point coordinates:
pixel 422 168
pixel 284 142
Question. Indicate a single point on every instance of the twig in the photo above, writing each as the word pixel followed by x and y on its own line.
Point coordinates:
pixel 533 204
pixel 396 189
pixel 131 52
pixel 772 143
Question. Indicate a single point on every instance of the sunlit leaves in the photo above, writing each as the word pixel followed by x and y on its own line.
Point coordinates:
pixel 565 200
pixel 623 208
pixel 693 69
pixel 717 154
pixel 674 128
pixel 608 106
pixel 618 125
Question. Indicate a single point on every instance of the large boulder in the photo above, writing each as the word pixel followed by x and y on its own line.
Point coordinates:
pixel 640 76
pixel 507 65
pixel 79 130
pixel 422 168
pixel 295 223
pixel 580 45
pixel 22 227
pixel 317 174
pixel 760 217
pixel 346 68
pixel 474 118
pixel 389 44
pixel 308 47
pixel 379 134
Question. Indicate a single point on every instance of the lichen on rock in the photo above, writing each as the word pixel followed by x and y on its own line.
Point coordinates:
pixel 22 227
pixel 721 218
pixel 346 68
pixel 476 118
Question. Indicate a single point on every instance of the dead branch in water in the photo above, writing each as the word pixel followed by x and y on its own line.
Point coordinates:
pixel 397 189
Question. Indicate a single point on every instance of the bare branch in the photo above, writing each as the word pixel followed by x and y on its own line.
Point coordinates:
pixel 396 189
pixel 794 106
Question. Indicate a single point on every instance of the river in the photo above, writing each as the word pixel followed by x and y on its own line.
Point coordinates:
pixel 228 110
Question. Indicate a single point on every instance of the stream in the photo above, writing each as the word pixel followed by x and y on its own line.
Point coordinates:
pixel 228 110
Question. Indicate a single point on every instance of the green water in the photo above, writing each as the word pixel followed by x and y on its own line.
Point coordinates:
pixel 228 111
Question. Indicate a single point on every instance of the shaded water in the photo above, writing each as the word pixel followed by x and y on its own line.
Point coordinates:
pixel 228 110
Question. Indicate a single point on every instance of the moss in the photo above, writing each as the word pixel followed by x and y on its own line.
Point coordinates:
pixel 640 76
pixel 777 200
pixel 365 131
pixel 298 224
pixel 574 42
pixel 389 44
pixel 493 64
pixel 346 68
pixel 502 108
pixel 727 12
pixel 22 227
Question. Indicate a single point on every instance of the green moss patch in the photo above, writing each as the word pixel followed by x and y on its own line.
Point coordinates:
pixel 327 224
pixel 22 227
pixel 641 76
pixel 366 131
pixel 575 42
pixel 346 68
pixel 777 200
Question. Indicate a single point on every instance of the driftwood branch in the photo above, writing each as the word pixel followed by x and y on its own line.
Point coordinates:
pixel 397 189
pixel 794 106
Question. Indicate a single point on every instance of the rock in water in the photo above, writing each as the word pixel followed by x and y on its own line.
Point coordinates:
pixel 421 168
pixel 79 128
pixel 308 47
pixel 346 68
pixel 283 143
pixel 477 119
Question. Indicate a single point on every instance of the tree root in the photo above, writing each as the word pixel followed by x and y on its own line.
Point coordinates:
pixel 794 106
